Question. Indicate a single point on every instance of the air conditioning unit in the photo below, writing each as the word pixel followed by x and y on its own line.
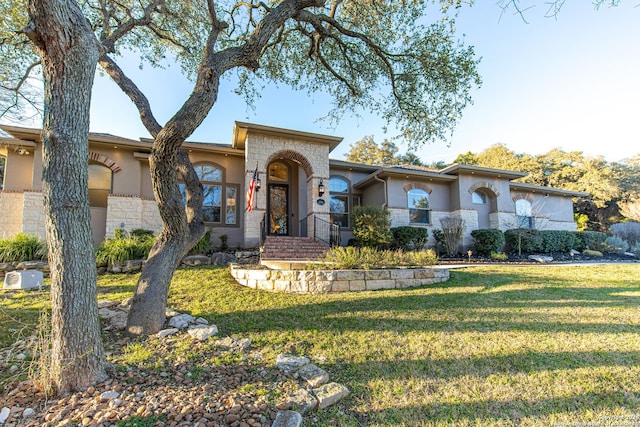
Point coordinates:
pixel 23 279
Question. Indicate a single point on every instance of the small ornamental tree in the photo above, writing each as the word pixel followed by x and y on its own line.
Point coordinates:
pixel 452 228
pixel 371 226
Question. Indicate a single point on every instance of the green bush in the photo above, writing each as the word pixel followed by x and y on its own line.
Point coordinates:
pixel 487 241
pixel 499 256
pixel 366 258
pixel 123 249
pixel 409 238
pixel 438 236
pixel 558 241
pixel 141 233
pixel 203 247
pixel 23 247
pixel 371 226
pixel 593 240
pixel 523 240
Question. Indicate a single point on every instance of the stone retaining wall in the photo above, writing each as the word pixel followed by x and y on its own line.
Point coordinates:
pixel 325 281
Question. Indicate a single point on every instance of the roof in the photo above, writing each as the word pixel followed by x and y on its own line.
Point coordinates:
pixel 457 169
pixel 242 129
pixel 342 164
pixel 399 172
pixel 521 186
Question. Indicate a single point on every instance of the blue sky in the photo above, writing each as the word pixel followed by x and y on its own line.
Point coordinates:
pixel 570 82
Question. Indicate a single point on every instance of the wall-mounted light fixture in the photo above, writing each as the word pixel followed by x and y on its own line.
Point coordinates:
pixel 321 188
pixel 23 151
pixel 258 184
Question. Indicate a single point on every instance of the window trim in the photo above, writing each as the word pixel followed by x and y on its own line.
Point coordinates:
pixel 426 210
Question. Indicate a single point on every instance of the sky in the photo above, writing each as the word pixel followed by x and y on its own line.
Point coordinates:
pixel 570 82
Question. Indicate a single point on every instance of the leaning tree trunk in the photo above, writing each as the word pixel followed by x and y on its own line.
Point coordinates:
pixel 69 53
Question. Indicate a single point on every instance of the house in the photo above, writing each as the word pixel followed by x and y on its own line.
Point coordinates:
pixel 301 191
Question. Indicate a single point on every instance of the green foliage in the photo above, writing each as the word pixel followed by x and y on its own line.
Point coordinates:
pixel 371 226
pixel 593 240
pixel 408 238
pixel 138 421
pixel 629 231
pixel 224 242
pixel 353 258
pixel 487 241
pixel 368 152
pixel 616 245
pixel 591 252
pixel 123 249
pixel 203 247
pixel 23 247
pixel 499 256
pixel 581 220
pixel 558 241
pixel 141 233
pixel 120 233
pixel 523 240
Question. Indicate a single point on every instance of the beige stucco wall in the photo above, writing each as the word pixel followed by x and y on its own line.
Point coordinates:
pixel 11 204
pixel 19 171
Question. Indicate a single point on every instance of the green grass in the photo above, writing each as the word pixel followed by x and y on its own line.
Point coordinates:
pixel 493 346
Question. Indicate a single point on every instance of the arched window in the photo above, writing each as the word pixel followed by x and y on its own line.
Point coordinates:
pixel 341 201
pixel 99 184
pixel 278 172
pixel 479 198
pixel 524 214
pixel 418 202
pixel 213 187
pixel 3 161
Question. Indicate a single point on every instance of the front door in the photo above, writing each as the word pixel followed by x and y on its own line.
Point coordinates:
pixel 278 206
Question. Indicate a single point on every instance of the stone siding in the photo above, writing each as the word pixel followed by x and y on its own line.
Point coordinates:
pixel 33 218
pixel 325 281
pixel 11 204
pixel 134 212
pixel 470 218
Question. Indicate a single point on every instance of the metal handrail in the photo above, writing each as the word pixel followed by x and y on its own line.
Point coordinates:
pixel 263 229
pixel 326 232
pixel 304 232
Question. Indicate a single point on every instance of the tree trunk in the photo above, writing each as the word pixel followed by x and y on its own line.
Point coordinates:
pixel 69 53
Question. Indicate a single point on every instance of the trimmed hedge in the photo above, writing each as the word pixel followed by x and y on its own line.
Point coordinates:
pixel 593 240
pixel 486 241
pixel 526 240
pixel 558 240
pixel 550 241
pixel 409 238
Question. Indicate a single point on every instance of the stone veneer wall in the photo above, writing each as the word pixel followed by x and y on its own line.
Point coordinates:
pixel 11 204
pixel 134 212
pixel 400 217
pixel 470 218
pixel 33 218
pixel 325 281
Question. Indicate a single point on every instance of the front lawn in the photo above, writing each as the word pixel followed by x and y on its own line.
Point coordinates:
pixel 493 346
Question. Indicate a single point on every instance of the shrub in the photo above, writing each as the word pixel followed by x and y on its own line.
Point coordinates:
pixel 438 236
pixel 523 240
pixel 616 245
pixel 558 241
pixel 371 226
pixel 367 258
pixel 452 229
pixel 593 240
pixel 590 252
pixel 635 249
pixel 224 242
pixel 408 238
pixel 23 247
pixel 203 247
pixel 629 231
pixel 487 241
pixel 141 233
pixel 499 256
pixel 123 249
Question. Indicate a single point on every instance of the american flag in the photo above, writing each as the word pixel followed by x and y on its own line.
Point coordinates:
pixel 252 190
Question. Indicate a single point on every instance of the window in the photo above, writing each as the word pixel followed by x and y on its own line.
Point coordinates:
pixel 3 161
pixel 524 213
pixel 214 206
pixel 479 198
pixel 278 172
pixel 99 185
pixel 418 202
pixel 341 201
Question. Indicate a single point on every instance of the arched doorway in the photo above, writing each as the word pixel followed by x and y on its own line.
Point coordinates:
pixel 278 198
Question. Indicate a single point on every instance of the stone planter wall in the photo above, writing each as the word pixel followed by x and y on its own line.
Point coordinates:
pixel 325 281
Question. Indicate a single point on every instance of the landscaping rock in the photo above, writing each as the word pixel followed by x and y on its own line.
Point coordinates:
pixel 105 303
pixel 229 343
pixel 4 414
pixel 181 321
pixel 193 260
pixel 118 322
pixel 287 419
pixel 540 258
pixel 329 394
pixel 201 321
pixel 29 412
pixel 589 252
pixel 202 332
pixel 33 265
pixel 108 395
pixel 313 375
pixel 302 401
pixel 167 332
pixel 129 266
pixel 574 252
pixel 289 363
pixel 629 254
pixel 222 258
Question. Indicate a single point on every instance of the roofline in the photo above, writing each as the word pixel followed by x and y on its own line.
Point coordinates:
pixel 206 147
pixel 387 172
pixel 241 130
pixel 353 165
pixel 500 173
pixel 515 186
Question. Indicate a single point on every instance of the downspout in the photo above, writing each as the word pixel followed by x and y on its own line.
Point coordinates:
pixel 385 204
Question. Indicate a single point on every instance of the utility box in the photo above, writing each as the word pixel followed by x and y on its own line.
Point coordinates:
pixel 23 279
